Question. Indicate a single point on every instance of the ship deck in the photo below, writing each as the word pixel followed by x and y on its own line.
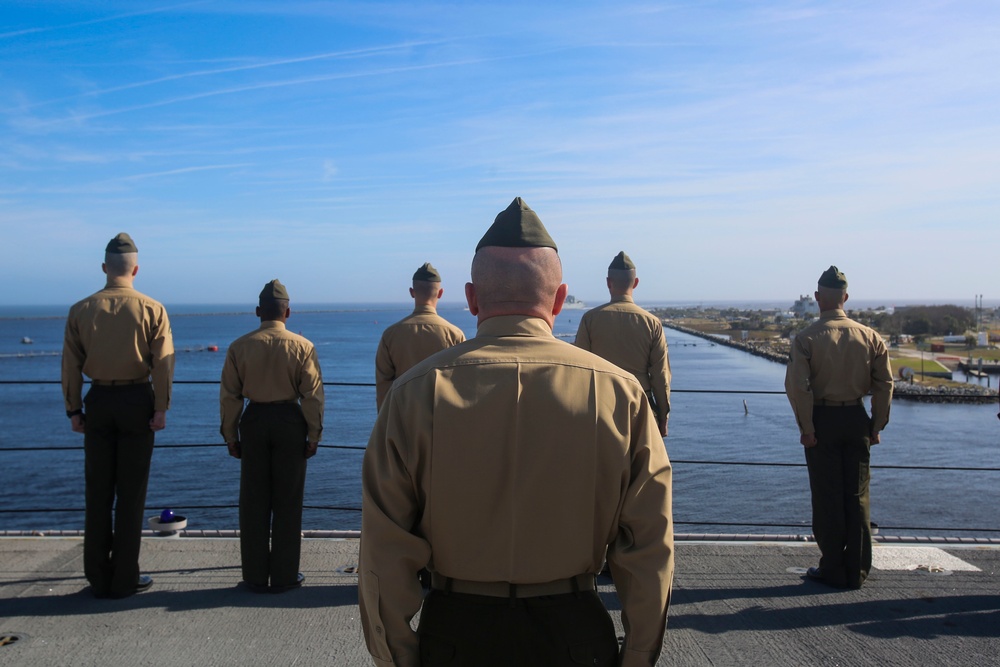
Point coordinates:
pixel 734 603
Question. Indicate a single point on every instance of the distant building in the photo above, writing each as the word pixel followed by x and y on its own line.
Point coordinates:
pixel 805 305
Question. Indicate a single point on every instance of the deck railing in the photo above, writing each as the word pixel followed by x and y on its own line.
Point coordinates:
pixel 10 451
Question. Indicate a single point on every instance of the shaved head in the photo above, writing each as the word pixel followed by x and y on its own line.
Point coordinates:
pixel 517 281
pixel 426 290
pixel 119 264
pixel 831 298
pixel 621 281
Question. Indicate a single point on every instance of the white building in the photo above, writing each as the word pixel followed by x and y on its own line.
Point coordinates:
pixel 806 305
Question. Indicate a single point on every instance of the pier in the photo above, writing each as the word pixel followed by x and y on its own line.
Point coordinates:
pixel 734 603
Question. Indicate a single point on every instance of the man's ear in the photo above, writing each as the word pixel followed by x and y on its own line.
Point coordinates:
pixel 557 304
pixel 470 298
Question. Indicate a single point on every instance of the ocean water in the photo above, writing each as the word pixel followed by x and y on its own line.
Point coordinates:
pixel 710 431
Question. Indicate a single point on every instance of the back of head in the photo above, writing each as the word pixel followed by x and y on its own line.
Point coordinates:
pixel 513 281
pixel 273 301
pixel 831 289
pixel 426 284
pixel 516 270
pixel 120 256
pixel 621 274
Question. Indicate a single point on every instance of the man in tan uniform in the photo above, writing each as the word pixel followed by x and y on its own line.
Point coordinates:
pixel 277 373
pixel 417 336
pixel 835 363
pixel 119 338
pixel 630 337
pixel 510 466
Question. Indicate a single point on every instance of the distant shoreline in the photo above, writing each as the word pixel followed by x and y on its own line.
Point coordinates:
pixel 47 311
pixel 913 392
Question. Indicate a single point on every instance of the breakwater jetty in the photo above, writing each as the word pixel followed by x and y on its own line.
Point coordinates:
pixel 902 390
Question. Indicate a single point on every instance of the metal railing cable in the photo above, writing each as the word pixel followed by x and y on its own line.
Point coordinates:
pixel 747 392
pixel 359 448
pixel 335 508
pixel 771 464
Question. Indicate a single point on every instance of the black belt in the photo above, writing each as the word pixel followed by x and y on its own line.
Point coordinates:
pixel 504 589
pixel 119 383
pixel 293 401
pixel 837 404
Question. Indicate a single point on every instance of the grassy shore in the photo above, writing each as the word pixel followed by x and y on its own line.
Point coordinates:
pixel 907 355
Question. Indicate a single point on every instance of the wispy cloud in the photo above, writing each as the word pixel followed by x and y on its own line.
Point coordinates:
pixel 354 53
pixel 711 140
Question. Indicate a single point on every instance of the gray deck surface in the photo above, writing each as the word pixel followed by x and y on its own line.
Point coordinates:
pixel 734 604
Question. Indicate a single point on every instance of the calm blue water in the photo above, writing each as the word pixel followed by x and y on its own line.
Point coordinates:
pixel 703 427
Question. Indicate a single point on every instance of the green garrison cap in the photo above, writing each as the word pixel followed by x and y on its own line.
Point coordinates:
pixel 517 226
pixel 427 273
pixel 621 262
pixel 121 244
pixel 833 279
pixel 274 291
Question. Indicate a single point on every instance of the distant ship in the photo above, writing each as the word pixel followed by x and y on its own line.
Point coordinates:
pixel 26 341
pixel 572 303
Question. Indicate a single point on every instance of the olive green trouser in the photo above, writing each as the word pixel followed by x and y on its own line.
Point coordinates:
pixel 839 478
pixel 547 631
pixel 272 484
pixel 118 447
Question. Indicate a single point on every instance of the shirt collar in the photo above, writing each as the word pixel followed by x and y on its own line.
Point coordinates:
pixel 832 314
pixel 272 324
pixel 514 325
pixel 118 282
pixel 622 297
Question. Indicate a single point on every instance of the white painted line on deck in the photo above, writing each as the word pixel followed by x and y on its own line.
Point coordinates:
pixel 930 559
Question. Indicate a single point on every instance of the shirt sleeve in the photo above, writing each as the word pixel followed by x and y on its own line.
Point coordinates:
pixel 659 373
pixel 230 398
pixel 583 335
pixel 642 556
pixel 797 387
pixel 312 397
pixel 881 386
pixel 385 372
pixel 161 360
pixel 72 366
pixel 391 554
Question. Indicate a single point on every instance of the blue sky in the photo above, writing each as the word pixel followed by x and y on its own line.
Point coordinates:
pixel 733 149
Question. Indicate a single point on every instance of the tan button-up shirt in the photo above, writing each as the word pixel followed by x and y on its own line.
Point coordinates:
pixel 631 338
pixel 514 457
pixel 117 334
pixel 838 359
pixel 270 365
pixel 408 342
